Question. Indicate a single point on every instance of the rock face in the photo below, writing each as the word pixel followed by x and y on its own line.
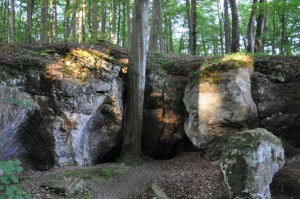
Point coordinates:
pixel 164 115
pixel 60 117
pixel 218 106
pixel 249 163
pixel 276 91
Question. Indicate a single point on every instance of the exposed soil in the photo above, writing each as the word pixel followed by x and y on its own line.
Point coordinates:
pixel 184 177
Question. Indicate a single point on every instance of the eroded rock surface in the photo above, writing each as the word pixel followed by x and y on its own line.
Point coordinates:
pixel 249 163
pixel 218 106
pixel 69 114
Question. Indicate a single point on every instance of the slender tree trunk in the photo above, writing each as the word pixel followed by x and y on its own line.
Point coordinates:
pixel 194 26
pixel 260 27
pixel 128 22
pixel 82 22
pixel 235 27
pixel 250 29
pixel 227 27
pixel 119 23
pixel 283 42
pixel 94 20
pixel 114 24
pixel 221 29
pixel 30 4
pixel 190 25
pixel 153 30
pixel 266 29
pixel 124 22
pixel 12 22
pixel 274 31
pixel 53 21
pixel 74 20
pixel 103 19
pixel 181 43
pixel 162 44
pixel 171 35
pixel 67 21
pixel 136 77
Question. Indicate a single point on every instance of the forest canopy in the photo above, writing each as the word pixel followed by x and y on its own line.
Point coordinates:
pixel 206 27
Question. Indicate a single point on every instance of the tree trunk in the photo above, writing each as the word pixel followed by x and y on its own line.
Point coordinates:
pixel 103 19
pixel 53 21
pixel 162 44
pixel 94 20
pixel 74 20
pixel 227 27
pixel 260 27
pixel 250 46
pixel 136 77
pixel 190 25
pixel 283 41
pixel 153 29
pixel 235 27
pixel 12 22
pixel 221 29
pixel 30 4
pixel 67 21
pixel 171 35
pixel 194 26
pixel 128 23
pixel 114 24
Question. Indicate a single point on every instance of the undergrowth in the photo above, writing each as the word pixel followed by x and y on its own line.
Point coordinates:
pixel 9 182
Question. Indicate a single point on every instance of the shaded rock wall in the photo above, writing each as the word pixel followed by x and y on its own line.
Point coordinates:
pixel 164 115
pixel 276 91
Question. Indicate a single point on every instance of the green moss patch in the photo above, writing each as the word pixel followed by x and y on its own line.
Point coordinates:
pixel 96 174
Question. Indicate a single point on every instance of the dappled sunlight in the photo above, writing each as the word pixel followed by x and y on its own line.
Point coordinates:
pixel 240 59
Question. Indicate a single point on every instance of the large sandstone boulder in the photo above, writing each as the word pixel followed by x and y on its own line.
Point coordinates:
pixel 219 105
pixel 275 89
pixel 69 114
pixel 164 115
pixel 249 163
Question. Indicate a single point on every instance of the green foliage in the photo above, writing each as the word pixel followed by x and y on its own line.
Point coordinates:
pixel 9 182
pixel 96 174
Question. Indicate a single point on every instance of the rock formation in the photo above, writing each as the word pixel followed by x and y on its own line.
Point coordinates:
pixel 218 106
pixel 249 163
pixel 68 114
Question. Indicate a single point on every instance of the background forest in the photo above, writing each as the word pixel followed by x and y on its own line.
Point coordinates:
pixel 176 26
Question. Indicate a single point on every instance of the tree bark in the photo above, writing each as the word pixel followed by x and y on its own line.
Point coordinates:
pixel 227 27
pixel 12 22
pixel 153 29
pixel 190 25
pixel 67 21
pixel 283 41
pixel 128 23
pixel 94 20
pixel 74 20
pixel 103 19
pixel 260 27
pixel 235 27
pixel 221 29
pixel 194 26
pixel 30 4
pixel 250 28
pixel 171 35
pixel 136 77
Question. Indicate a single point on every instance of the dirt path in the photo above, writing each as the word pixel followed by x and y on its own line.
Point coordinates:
pixel 127 186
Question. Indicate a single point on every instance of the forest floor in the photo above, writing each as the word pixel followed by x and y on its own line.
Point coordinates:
pixel 186 176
